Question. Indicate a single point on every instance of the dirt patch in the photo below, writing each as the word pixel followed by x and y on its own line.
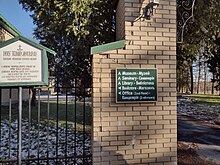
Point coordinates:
pixel 198 133
pixel 188 156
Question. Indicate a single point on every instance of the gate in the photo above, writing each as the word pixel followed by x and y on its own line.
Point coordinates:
pixel 53 128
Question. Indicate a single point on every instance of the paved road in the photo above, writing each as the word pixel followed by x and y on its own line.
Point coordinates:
pixel 205 136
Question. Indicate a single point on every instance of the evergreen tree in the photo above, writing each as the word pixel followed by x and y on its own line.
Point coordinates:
pixel 201 33
pixel 71 28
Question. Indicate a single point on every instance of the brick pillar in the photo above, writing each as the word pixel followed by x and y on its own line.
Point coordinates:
pixel 138 133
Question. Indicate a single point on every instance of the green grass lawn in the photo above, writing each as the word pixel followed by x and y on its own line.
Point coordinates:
pixel 72 112
pixel 209 99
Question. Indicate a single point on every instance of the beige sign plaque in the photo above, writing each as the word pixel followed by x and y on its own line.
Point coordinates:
pixel 20 62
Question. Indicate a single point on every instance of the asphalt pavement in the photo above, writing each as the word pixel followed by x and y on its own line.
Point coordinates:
pixel 202 134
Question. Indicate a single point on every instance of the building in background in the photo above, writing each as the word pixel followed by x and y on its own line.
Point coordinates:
pixel 10 35
pixel 7 32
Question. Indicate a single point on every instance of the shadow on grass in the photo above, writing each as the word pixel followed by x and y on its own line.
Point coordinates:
pixel 76 114
pixel 208 99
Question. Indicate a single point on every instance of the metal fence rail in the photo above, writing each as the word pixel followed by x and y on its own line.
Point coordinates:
pixel 53 129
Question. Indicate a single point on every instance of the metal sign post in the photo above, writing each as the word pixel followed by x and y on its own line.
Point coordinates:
pixel 19 126
pixel 23 63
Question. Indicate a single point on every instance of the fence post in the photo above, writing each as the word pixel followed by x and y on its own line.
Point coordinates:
pixel 19 125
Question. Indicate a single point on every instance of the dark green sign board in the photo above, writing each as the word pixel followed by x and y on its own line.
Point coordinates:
pixel 136 85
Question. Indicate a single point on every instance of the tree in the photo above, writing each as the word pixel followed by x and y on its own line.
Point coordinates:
pixel 201 33
pixel 71 27
pixel 211 30
pixel 185 57
pixel 214 65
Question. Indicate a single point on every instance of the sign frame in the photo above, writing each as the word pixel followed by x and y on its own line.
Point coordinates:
pixel 138 101
pixel 43 63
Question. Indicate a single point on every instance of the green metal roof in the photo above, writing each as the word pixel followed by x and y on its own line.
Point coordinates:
pixel 106 47
pixel 39 46
pixel 18 36
pixel 8 26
